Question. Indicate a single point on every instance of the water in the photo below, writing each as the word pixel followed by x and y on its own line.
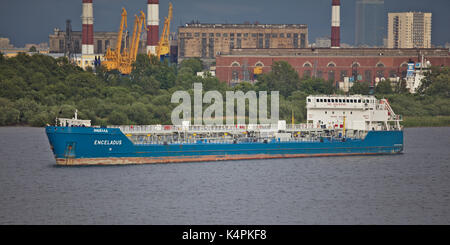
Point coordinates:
pixel 412 188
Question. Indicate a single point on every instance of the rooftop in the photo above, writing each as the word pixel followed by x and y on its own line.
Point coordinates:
pixel 379 52
pixel 254 26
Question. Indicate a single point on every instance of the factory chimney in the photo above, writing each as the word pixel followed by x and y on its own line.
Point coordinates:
pixel 336 24
pixel 152 26
pixel 87 18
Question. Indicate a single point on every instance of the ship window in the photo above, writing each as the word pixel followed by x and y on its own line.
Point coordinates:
pixel 325 112
pixel 359 101
pixel 351 101
pixel 317 100
pixel 329 100
pixel 309 100
pixel 340 100
pixel 343 112
pixel 332 112
pixel 351 112
pixel 321 100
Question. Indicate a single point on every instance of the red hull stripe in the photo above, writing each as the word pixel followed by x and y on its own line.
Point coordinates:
pixel 148 160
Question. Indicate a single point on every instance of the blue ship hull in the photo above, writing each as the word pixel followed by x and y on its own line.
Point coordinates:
pixel 97 146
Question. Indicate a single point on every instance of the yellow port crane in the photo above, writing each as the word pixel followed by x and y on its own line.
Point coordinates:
pixel 122 61
pixel 163 48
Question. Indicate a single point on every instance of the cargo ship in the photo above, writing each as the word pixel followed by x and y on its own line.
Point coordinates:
pixel 336 126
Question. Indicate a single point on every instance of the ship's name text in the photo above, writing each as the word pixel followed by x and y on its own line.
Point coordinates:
pixel 107 142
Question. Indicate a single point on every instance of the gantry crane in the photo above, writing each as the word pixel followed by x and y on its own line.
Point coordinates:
pixel 163 48
pixel 119 59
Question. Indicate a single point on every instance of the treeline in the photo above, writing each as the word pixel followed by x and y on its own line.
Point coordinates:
pixel 36 89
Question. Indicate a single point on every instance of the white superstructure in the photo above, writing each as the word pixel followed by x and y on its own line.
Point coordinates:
pixel 357 112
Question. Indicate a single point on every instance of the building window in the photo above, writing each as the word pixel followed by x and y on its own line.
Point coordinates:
pixel 259 63
pixel 288 35
pixel 331 76
pixel 380 65
pixel 331 64
pixel 368 75
pixel 302 40
pixel 239 35
pixel 203 47
pixel 343 74
pixel 319 74
pixel 225 35
pixel 197 34
pixel 260 43
pixel 253 34
pixel 295 40
pixel 235 75
pixel 235 64
pixel 281 35
pixel 189 34
pixel 211 34
pixel 307 64
pixel 245 34
pixel 217 34
pixel 267 43
pixel 211 48
pixel 203 34
pixel 307 73
pixel 274 35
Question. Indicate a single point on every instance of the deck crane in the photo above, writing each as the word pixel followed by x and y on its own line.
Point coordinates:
pixel 122 59
pixel 163 48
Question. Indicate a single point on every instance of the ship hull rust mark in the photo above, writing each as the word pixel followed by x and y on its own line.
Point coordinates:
pixel 178 159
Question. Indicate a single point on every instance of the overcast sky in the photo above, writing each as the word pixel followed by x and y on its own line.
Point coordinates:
pixel 31 21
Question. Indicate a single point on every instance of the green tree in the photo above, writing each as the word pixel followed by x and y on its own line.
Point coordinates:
pixel 384 87
pixel 282 78
pixel 32 49
pixel 195 64
pixel 360 88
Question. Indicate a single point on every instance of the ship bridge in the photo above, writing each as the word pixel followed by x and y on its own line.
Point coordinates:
pixel 358 112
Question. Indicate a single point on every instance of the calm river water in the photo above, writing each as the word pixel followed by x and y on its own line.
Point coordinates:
pixel 411 188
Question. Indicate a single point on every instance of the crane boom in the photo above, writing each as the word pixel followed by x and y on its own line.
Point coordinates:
pixel 164 44
pixel 123 22
pixel 122 58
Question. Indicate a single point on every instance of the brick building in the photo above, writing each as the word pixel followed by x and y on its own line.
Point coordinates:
pixel 205 41
pixel 329 64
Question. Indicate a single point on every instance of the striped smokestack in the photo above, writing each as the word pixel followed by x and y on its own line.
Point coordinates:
pixel 152 26
pixel 336 24
pixel 87 18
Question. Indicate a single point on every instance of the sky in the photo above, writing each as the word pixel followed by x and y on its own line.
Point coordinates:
pixel 31 21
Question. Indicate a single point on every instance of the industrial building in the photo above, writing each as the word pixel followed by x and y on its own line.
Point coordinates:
pixel 409 30
pixel 87 45
pixel 206 41
pixel 366 64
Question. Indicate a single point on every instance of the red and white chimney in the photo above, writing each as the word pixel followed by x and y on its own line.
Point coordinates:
pixel 336 24
pixel 87 18
pixel 152 26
